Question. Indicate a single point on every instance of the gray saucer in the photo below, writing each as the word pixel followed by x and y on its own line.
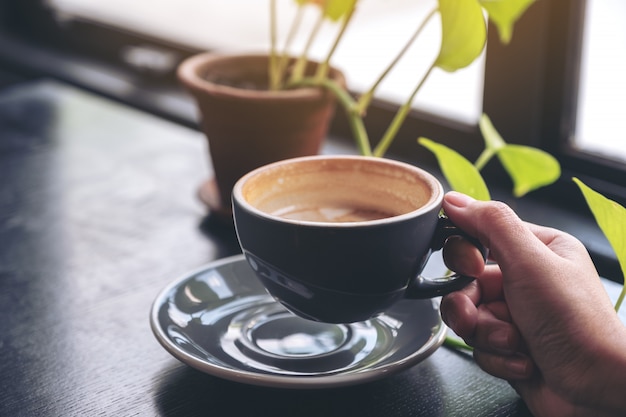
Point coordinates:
pixel 219 320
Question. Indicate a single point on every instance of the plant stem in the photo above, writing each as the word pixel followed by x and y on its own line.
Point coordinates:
pixel 348 103
pixel 399 118
pixel 300 66
pixel 284 57
pixel 358 130
pixel 493 141
pixel 457 344
pixel 322 70
pixel 274 74
pixel 484 157
pixel 620 299
pixel 366 98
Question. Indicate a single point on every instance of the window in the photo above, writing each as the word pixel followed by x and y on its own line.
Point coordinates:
pixel 530 88
pixel 536 90
pixel 601 107
pixel 379 29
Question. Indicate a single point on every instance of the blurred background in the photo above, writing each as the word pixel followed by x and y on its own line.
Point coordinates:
pixel 558 85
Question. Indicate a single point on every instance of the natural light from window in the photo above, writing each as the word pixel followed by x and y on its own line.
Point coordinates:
pixel 601 108
pixel 379 29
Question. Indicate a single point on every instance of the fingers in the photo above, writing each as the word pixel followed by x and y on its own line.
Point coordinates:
pixel 463 257
pixel 498 228
pixel 538 264
pixel 498 345
pixel 496 225
pixel 479 315
pixel 490 282
pixel 495 334
pixel 487 327
pixel 487 287
pixel 459 311
pixel 512 368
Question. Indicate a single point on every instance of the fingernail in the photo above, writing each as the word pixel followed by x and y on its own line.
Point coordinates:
pixel 458 199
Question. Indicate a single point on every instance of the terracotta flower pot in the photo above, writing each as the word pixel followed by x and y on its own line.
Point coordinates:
pixel 247 125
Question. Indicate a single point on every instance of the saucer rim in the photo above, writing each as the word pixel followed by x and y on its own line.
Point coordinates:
pixel 282 381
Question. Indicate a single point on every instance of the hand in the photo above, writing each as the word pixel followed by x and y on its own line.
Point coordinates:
pixel 539 317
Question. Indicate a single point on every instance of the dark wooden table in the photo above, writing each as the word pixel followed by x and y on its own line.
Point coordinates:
pixel 98 212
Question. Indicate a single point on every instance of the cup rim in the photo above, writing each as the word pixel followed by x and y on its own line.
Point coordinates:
pixel 434 202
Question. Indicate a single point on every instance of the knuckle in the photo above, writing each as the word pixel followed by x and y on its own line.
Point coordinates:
pixel 498 211
pixel 496 215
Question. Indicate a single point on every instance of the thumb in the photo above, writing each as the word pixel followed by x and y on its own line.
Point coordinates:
pixel 497 227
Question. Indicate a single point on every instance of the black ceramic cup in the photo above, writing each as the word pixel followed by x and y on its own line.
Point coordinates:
pixel 340 239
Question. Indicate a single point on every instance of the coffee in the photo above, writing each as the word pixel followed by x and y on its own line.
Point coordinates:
pixel 332 214
pixel 331 191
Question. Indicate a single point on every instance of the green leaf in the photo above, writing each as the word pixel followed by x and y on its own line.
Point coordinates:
pixel 337 9
pixel 611 218
pixel 460 173
pixel 332 9
pixel 504 14
pixel 529 168
pixel 463 33
pixel 493 140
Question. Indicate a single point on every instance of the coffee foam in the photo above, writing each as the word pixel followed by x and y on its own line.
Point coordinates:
pixel 332 189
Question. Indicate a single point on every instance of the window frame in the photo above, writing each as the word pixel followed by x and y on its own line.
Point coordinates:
pixel 541 69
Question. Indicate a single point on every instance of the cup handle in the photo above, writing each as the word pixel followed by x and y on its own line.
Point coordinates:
pixel 422 287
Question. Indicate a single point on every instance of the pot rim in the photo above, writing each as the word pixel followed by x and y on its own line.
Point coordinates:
pixel 190 69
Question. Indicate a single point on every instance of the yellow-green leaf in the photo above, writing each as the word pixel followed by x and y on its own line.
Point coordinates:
pixel 529 168
pixel 493 139
pixel 611 218
pixel 332 9
pixel 337 9
pixel 463 33
pixel 504 14
pixel 460 173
